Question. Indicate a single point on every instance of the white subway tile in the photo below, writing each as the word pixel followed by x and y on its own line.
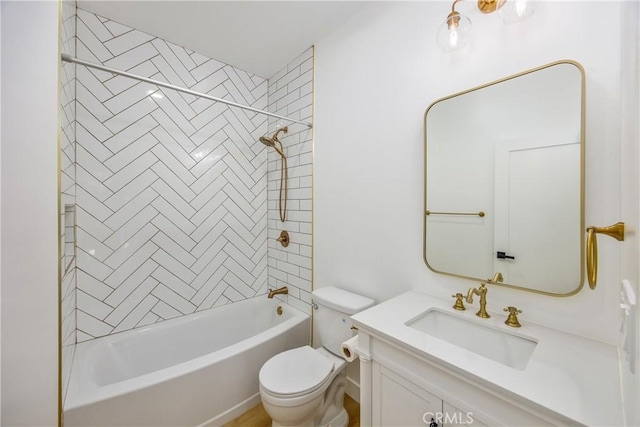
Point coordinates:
pixel 287 267
pixel 92 42
pixel 172 299
pixel 289 76
pixel 121 178
pixel 125 270
pixel 92 21
pixel 173 249
pixel 298 260
pixel 165 311
pixel 149 318
pixel 132 282
pixel 115 28
pixel 171 281
pixel 305 274
pixel 173 198
pixel 92 286
pixel 174 232
pixel 91 326
pixel 238 283
pixel 129 210
pixel 125 233
pixel 173 265
pixel 92 306
pixel 211 291
pixel 210 275
pixel 92 185
pixel 170 66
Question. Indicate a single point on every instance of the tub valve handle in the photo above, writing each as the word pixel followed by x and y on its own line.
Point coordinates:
pixel 284 238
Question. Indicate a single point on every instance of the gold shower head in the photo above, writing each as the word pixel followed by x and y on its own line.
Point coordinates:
pixel 271 142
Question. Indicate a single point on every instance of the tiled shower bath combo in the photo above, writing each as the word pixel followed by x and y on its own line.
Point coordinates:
pixel 176 201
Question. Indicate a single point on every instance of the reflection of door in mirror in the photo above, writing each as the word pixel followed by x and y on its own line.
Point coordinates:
pixel 537 198
pixel 513 149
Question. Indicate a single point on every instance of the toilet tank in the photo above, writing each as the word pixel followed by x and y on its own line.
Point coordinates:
pixel 331 318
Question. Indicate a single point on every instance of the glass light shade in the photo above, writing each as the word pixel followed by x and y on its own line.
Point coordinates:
pixel 454 33
pixel 515 11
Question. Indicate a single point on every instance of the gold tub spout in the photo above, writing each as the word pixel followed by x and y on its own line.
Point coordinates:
pixel 283 290
pixel 482 292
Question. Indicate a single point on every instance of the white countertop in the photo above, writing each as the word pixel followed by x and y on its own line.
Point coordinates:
pixel 570 375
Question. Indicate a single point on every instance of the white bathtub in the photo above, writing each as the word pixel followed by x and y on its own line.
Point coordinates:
pixel 200 369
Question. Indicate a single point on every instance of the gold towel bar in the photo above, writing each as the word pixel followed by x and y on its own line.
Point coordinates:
pixel 480 214
pixel 616 231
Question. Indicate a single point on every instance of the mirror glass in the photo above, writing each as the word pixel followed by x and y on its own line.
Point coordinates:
pixel 504 180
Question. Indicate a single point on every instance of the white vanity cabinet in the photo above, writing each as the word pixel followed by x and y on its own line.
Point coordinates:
pixel 408 391
pixel 408 376
pixel 396 401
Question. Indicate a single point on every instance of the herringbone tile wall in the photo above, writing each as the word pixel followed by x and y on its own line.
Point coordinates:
pixel 291 95
pixel 171 189
pixel 68 191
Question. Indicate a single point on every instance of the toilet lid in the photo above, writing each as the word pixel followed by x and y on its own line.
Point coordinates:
pixel 295 372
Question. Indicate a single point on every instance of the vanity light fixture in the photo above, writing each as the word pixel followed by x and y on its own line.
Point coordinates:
pixel 455 32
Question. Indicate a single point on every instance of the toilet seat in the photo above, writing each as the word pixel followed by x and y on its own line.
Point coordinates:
pixel 295 373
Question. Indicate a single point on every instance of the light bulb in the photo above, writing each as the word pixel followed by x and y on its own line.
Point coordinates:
pixel 454 33
pixel 453 38
pixel 515 11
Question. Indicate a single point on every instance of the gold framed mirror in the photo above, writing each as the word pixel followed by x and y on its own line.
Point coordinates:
pixel 504 181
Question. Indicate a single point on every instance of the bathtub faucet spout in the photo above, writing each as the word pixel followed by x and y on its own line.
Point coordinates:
pixel 273 292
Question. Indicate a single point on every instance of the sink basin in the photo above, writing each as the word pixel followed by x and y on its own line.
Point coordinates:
pixel 486 340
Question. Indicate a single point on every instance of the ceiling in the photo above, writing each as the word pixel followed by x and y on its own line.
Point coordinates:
pixel 260 37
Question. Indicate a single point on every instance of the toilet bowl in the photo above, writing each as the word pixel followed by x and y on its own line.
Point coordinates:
pixel 294 385
pixel 304 387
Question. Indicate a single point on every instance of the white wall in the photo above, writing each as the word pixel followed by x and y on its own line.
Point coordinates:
pixel 377 74
pixel 0 218
pixel 630 183
pixel 29 213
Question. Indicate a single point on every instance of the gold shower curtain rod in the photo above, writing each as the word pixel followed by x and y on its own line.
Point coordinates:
pixel 74 60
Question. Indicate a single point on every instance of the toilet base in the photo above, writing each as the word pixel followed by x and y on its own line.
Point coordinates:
pixel 340 420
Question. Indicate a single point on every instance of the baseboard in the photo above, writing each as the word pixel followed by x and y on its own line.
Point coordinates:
pixel 233 413
pixel 353 389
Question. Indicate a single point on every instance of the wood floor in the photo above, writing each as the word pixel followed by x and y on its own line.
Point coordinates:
pixel 257 417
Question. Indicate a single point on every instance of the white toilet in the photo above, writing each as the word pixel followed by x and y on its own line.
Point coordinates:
pixel 305 386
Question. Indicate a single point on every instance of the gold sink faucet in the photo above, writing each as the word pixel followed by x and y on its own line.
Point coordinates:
pixel 482 292
pixel 497 278
pixel 279 291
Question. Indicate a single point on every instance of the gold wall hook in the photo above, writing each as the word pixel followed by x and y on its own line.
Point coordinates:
pixel 616 231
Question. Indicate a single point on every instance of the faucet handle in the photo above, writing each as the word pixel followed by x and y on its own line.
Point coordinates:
pixel 512 318
pixel 459 305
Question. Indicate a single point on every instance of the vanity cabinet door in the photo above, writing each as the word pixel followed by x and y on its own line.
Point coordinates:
pixel 454 417
pixel 399 402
